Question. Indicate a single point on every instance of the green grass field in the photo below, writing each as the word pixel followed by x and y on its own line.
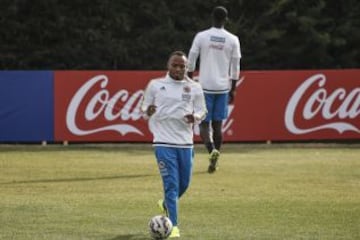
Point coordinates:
pixel 109 192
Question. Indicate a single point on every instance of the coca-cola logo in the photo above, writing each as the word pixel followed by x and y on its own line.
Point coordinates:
pixel 102 105
pixel 93 101
pixel 338 108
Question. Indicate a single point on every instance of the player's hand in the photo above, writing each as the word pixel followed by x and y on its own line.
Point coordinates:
pixel 151 110
pixel 232 94
pixel 189 118
pixel 190 74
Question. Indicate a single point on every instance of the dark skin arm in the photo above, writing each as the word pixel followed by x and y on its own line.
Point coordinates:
pixel 232 92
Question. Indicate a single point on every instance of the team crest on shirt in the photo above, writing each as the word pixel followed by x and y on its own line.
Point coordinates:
pixel 187 89
pixel 186 96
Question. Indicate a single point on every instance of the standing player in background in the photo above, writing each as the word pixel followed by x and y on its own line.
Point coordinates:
pixel 219 70
pixel 173 104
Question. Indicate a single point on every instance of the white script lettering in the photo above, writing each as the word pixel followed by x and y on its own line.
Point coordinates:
pixel 321 102
pixel 130 109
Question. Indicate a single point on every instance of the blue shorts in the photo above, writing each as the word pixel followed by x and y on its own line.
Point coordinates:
pixel 217 106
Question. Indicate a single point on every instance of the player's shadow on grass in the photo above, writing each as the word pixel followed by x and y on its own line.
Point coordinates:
pixel 81 179
pixel 131 237
pixel 201 172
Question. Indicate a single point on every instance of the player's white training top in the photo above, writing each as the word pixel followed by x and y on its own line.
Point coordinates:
pixel 173 100
pixel 220 55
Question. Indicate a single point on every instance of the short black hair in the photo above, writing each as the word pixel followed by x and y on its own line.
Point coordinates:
pixel 178 53
pixel 220 13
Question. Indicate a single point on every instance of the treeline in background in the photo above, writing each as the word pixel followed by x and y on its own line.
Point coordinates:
pixel 139 35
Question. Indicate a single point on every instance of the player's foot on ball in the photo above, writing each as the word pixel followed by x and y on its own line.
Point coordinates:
pixel 162 207
pixel 175 232
pixel 213 159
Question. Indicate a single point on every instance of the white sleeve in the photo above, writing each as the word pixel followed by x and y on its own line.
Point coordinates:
pixel 234 68
pixel 193 54
pixel 235 60
pixel 237 52
pixel 200 110
pixel 149 96
pixel 192 61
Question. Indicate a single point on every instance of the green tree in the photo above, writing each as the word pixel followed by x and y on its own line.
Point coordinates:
pixel 123 34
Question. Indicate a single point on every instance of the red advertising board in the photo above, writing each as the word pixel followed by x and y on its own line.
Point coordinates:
pixel 93 106
pixel 101 106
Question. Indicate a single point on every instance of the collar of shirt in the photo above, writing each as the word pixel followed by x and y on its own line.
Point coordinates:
pixel 170 79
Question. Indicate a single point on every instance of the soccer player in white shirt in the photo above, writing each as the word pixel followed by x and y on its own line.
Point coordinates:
pixel 219 70
pixel 173 104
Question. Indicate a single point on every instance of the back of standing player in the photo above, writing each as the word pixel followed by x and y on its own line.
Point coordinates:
pixel 219 69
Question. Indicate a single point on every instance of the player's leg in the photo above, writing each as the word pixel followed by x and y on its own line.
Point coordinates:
pixel 168 166
pixel 205 131
pixel 217 134
pixel 185 163
pixel 220 113
pixel 205 134
pixel 186 156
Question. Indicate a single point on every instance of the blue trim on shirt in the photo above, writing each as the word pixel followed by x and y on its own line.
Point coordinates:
pixel 165 144
pixel 216 91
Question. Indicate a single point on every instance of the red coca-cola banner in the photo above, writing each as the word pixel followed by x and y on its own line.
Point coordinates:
pixel 93 106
